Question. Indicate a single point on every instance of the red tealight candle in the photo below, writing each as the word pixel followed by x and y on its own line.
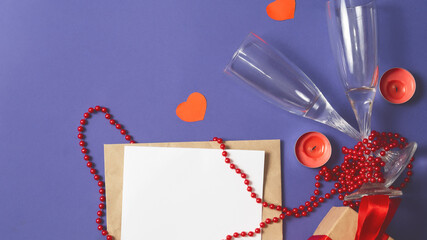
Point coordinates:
pixel 397 85
pixel 313 149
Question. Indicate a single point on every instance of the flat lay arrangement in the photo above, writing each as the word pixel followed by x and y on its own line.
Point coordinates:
pixel 202 149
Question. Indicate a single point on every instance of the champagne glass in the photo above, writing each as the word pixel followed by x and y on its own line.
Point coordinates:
pixel 353 36
pixel 281 82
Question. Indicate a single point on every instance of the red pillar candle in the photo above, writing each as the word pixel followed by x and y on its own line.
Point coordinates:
pixel 313 149
pixel 397 85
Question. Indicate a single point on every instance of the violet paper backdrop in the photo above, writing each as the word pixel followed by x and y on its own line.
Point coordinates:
pixel 141 59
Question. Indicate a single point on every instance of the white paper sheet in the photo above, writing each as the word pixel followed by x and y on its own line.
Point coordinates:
pixel 191 194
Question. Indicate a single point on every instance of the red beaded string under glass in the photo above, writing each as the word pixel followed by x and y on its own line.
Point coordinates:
pixel 355 170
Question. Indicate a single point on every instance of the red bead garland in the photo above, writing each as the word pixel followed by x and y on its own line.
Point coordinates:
pixel 355 170
pixel 89 164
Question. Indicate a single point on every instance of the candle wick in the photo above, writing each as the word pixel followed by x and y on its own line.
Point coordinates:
pixel 313 148
pixel 395 88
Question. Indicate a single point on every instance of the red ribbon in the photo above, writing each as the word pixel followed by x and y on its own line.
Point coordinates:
pixel 375 214
pixel 320 237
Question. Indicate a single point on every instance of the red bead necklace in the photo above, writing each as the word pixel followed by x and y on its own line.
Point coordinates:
pixel 89 164
pixel 355 170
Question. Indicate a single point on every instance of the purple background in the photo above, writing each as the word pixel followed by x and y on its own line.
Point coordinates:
pixel 141 59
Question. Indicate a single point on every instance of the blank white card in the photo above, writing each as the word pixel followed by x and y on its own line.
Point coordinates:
pixel 189 193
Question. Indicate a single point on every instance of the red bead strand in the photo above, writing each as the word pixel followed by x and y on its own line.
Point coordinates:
pixel 87 158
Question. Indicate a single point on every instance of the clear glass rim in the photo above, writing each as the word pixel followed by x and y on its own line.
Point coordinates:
pixel 249 37
pixel 360 3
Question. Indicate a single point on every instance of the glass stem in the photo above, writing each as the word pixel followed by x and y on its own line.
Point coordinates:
pixel 336 121
pixel 322 111
pixel 361 100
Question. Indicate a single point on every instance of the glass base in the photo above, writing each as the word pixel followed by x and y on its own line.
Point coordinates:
pixel 396 162
pixel 369 189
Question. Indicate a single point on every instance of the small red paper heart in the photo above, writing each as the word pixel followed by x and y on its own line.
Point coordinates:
pixel 193 109
pixel 281 9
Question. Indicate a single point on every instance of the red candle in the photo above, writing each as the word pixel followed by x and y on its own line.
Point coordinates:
pixel 397 85
pixel 313 149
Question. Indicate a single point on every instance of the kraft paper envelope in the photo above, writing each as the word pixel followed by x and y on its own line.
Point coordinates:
pixel 114 159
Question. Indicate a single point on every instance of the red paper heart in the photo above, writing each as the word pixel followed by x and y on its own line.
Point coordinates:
pixel 281 9
pixel 193 109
